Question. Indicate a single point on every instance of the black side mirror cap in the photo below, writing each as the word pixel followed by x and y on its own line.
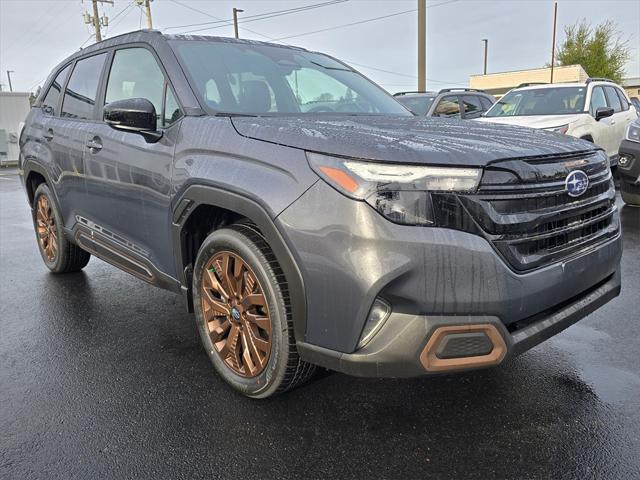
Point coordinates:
pixel 133 115
pixel 603 112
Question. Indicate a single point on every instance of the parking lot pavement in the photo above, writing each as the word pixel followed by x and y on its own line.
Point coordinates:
pixel 103 376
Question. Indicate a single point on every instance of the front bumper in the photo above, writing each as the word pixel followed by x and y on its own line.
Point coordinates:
pixel 398 350
pixel 629 163
pixel 349 254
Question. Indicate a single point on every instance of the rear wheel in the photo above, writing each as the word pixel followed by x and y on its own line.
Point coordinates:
pixel 243 313
pixel 630 193
pixel 58 253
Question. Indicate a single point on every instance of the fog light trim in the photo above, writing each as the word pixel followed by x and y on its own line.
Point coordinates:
pixel 380 311
pixel 432 363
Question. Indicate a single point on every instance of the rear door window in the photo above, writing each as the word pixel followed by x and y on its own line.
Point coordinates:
pixel 82 90
pixel 612 99
pixel 448 107
pixel 486 103
pixel 472 106
pixel 623 99
pixel 52 98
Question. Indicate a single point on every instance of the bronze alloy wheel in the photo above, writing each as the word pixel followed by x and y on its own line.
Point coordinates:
pixel 236 314
pixel 46 226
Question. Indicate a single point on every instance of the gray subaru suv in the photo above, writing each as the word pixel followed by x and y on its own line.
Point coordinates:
pixel 309 219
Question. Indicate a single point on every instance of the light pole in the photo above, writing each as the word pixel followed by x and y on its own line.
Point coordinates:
pixel 486 53
pixel 422 46
pixel 236 11
pixel 9 72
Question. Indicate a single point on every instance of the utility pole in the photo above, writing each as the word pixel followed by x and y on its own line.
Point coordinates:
pixel 553 44
pixel 147 7
pixel 95 19
pixel 422 45
pixel 9 72
pixel 236 11
pixel 486 52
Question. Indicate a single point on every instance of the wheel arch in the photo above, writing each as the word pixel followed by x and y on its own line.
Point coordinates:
pixel 203 208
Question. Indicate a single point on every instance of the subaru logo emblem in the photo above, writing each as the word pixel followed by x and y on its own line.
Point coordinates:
pixel 235 313
pixel 576 183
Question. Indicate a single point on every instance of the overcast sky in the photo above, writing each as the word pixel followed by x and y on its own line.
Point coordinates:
pixel 37 34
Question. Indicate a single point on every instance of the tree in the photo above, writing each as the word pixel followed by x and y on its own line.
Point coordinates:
pixel 599 50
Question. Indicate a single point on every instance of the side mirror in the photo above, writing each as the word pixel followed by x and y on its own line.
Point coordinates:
pixel 133 115
pixel 603 112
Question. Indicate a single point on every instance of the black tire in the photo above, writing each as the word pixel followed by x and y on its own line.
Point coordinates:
pixel 68 257
pixel 284 370
pixel 630 193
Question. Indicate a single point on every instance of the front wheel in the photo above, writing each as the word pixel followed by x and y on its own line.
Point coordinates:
pixel 242 309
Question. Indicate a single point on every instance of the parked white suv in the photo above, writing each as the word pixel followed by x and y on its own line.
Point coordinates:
pixel 597 110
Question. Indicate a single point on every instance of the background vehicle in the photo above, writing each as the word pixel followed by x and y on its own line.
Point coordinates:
pixel 597 110
pixel 629 165
pixel 305 238
pixel 464 103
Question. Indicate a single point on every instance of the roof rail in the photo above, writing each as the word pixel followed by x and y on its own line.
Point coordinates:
pixel 445 90
pixel 599 79
pixel 399 94
pixel 528 84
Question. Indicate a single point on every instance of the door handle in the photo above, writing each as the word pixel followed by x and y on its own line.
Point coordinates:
pixel 48 135
pixel 94 145
pixel 613 122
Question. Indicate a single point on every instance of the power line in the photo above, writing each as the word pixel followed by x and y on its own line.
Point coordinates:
pixel 256 17
pixel 216 18
pixel 360 22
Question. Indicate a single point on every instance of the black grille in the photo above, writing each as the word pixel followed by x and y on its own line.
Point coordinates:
pixel 523 208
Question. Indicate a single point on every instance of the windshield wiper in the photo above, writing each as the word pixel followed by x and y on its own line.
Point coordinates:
pixel 331 68
pixel 233 114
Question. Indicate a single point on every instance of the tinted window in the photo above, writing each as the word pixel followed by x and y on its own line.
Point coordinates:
pixel 598 100
pixel 172 111
pixel 486 103
pixel 472 106
pixel 540 101
pixel 136 74
pixel 612 99
pixel 80 95
pixel 623 99
pixel 51 100
pixel 252 78
pixel 418 105
pixel 448 107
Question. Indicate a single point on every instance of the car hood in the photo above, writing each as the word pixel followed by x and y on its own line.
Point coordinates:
pixel 534 121
pixel 407 139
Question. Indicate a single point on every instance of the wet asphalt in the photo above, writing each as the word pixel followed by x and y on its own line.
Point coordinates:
pixel 103 376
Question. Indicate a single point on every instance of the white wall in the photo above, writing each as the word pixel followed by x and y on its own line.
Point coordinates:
pixel 14 107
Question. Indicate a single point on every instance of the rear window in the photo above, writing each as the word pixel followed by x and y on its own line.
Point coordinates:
pixel 52 98
pixel 80 95
pixel 417 105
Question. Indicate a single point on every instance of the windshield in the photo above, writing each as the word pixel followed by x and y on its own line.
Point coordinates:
pixel 244 78
pixel 418 105
pixel 540 101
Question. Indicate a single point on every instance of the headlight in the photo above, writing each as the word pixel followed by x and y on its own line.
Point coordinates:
pixel 633 132
pixel 399 192
pixel 561 129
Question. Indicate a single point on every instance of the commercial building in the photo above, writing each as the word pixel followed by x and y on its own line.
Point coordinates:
pixel 500 83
